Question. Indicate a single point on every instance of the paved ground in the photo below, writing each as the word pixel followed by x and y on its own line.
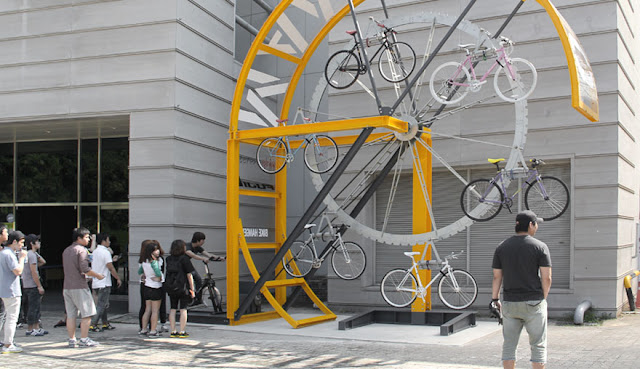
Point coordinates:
pixel 615 344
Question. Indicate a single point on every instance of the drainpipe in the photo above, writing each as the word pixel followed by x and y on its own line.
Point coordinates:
pixel 627 287
pixel 578 316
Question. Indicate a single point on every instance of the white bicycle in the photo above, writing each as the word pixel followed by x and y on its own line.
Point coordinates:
pixel 457 289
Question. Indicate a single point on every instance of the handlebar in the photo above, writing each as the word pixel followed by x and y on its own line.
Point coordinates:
pixel 453 255
pixel 535 162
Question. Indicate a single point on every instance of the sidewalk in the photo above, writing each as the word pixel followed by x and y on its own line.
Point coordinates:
pixel 274 344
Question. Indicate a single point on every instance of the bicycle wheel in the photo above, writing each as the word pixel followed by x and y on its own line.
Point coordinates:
pixel 299 260
pixel 481 200
pixel 342 69
pixel 446 83
pixel 457 289
pixel 272 155
pixel 216 298
pixel 397 62
pixel 548 199
pixel 526 78
pixel 321 154
pixel 348 260
pixel 399 288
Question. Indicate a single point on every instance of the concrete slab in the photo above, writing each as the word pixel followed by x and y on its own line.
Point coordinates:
pixel 414 334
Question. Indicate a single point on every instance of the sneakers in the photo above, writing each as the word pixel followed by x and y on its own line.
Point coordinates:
pixel 87 342
pixel 183 335
pixel 143 332
pixel 164 328
pixel 95 329
pixel 11 349
pixel 154 334
pixel 174 335
pixel 35 332
pixel 108 327
pixel 60 323
pixel 72 342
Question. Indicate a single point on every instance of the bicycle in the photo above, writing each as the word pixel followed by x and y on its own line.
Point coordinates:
pixel 320 152
pixel 209 286
pixel 451 81
pixel 344 67
pixel 457 289
pixel 347 258
pixel 546 196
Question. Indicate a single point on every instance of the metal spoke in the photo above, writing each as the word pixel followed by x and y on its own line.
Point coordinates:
pixel 392 193
pixel 427 52
pixel 464 139
pixel 441 160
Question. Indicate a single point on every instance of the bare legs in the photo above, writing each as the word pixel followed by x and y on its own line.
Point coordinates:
pixel 84 327
pixel 183 320
pixel 152 308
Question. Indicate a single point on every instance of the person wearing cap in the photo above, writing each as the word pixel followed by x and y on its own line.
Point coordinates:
pixel 522 266
pixel 11 266
pixel 32 287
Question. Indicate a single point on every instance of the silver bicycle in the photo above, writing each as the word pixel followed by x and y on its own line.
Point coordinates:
pixel 457 289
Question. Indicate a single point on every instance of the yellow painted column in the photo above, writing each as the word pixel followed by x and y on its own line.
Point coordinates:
pixel 421 218
pixel 281 227
pixel 233 217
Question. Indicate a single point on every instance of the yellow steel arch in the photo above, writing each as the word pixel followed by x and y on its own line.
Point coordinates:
pixel 584 94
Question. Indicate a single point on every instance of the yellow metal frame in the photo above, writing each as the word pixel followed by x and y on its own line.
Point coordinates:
pixel 235 234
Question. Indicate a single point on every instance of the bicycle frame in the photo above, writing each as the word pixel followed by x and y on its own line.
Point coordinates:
pixel 421 289
pixel 532 175
pixel 384 45
pixel 502 55
pixel 335 236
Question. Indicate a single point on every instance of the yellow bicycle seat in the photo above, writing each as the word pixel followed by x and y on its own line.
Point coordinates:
pixel 493 161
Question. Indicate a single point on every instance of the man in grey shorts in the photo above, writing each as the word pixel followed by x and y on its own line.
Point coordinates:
pixel 522 264
pixel 77 296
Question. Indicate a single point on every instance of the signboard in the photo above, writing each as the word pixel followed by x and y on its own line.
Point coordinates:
pixel 584 94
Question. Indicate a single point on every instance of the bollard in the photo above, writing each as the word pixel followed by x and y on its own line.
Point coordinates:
pixel 627 287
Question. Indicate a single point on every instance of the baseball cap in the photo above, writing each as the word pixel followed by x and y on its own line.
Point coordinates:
pixel 15 235
pixel 528 216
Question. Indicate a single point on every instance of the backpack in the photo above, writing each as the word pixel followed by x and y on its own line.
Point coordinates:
pixel 175 282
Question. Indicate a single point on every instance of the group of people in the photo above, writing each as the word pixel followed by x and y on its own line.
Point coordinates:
pixel 174 276
pixel 20 259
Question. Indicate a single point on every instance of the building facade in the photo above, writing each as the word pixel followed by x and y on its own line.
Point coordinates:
pixel 122 108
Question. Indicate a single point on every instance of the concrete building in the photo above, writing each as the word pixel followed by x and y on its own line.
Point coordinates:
pixel 122 108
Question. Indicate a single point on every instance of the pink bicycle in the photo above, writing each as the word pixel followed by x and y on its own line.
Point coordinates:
pixel 514 80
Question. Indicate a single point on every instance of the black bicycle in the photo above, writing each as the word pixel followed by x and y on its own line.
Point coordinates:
pixel 209 286
pixel 345 66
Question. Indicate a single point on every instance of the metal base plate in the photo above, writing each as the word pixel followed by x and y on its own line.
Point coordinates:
pixel 207 317
pixel 450 322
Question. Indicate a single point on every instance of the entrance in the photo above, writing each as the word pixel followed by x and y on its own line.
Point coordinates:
pixel 54 224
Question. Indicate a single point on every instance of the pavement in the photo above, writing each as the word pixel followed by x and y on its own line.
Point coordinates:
pixel 274 344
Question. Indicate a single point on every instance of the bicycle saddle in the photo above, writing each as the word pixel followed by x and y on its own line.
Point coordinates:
pixel 353 32
pixel 412 253
pixel 493 161
pixel 465 46
pixel 307 226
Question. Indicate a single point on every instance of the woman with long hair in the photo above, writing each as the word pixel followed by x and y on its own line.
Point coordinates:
pixel 179 269
pixel 152 289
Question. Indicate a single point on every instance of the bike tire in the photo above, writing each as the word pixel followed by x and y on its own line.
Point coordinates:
pixel 348 260
pixel 442 82
pixel 399 288
pixel 392 63
pixel 342 69
pixel 216 298
pixel 527 78
pixel 299 260
pixel 321 154
pixel 462 296
pixel 272 155
pixel 556 201
pixel 473 195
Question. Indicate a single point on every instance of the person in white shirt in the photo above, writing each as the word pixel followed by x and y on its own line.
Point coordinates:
pixel 102 263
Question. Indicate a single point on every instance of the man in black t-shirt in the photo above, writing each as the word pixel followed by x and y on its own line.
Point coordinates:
pixel 522 265
pixel 193 249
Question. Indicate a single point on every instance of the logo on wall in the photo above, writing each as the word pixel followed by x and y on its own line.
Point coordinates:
pixel 256 185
